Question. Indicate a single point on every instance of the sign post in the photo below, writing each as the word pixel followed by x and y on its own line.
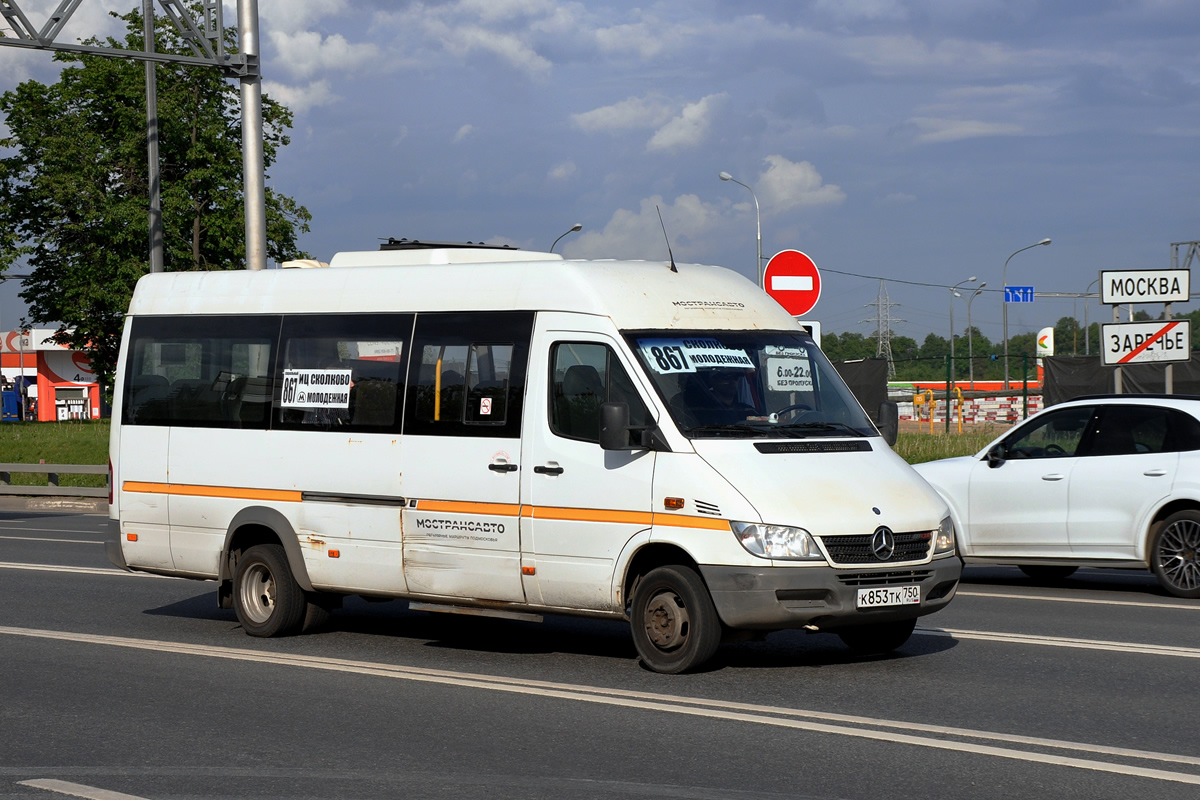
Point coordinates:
pixel 792 280
pixel 1151 341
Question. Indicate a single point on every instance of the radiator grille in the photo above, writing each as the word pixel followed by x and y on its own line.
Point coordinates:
pixel 858 548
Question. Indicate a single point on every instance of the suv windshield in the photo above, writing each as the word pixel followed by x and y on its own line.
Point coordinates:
pixel 748 383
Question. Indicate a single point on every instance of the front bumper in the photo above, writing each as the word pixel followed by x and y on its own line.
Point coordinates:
pixel 776 598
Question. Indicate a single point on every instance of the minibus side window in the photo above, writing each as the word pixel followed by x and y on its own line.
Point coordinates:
pixel 582 376
pixel 467 376
pixel 203 371
pixel 342 372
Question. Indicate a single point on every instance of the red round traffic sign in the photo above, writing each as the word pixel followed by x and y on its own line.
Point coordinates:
pixel 792 279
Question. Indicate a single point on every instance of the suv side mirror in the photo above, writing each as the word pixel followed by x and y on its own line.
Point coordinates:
pixel 995 456
pixel 889 422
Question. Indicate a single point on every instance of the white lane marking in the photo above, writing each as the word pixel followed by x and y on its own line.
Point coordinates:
pixel 1094 601
pixel 797 719
pixel 40 539
pixel 82 570
pixel 1066 641
pixel 77 790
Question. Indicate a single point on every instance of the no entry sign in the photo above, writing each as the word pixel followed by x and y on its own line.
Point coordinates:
pixel 792 279
pixel 1136 342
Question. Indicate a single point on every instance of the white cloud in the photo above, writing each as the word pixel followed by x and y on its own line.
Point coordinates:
pixel 635 112
pixel 785 185
pixel 563 171
pixel 463 133
pixel 637 38
pixel 301 98
pixel 639 235
pixel 933 130
pixel 463 40
pixel 305 53
pixel 289 15
pixel 500 10
pixel 689 128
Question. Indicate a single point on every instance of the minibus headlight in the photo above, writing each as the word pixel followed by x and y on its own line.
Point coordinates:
pixel 945 537
pixel 777 541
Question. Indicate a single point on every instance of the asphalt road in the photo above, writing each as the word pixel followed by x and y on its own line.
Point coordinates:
pixel 118 685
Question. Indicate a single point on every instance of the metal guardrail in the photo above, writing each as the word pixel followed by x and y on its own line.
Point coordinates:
pixel 52 471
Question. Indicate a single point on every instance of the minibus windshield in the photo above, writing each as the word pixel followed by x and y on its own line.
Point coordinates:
pixel 721 384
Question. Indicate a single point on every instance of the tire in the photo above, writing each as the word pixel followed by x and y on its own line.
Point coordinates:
pixel 878 638
pixel 674 623
pixel 266 597
pixel 1175 554
pixel 1043 572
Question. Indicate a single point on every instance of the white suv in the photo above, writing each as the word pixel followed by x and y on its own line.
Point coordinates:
pixel 1099 481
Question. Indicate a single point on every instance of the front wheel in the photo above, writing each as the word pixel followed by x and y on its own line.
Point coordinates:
pixel 266 597
pixel 878 638
pixel 675 625
pixel 1175 554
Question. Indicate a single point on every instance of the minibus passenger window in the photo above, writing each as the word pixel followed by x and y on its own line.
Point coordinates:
pixel 467 375
pixel 202 371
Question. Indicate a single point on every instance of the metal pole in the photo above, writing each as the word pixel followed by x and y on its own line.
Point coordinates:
pixel 1004 290
pixel 156 220
pixel 1170 376
pixel 253 171
pixel 971 336
pixel 758 266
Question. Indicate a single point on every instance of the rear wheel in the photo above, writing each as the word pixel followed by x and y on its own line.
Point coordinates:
pixel 1175 554
pixel 878 638
pixel 674 623
pixel 1043 572
pixel 266 597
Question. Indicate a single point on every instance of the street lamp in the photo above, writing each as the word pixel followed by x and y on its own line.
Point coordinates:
pixel 1004 280
pixel 758 265
pixel 1087 332
pixel 971 336
pixel 578 226
pixel 953 294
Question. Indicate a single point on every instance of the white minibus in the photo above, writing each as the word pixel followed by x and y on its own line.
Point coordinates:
pixel 501 432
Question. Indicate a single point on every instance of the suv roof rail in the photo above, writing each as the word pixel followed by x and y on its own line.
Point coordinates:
pixel 418 244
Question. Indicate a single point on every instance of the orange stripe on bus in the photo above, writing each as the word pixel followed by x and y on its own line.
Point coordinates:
pixel 669 520
pixel 229 492
pixel 593 515
pixel 459 507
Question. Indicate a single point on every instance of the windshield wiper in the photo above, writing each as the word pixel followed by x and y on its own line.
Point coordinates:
pixel 732 429
pixel 832 427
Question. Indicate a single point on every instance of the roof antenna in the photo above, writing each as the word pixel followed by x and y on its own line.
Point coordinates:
pixel 664 227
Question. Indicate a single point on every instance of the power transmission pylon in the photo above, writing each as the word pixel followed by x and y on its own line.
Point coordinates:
pixel 883 320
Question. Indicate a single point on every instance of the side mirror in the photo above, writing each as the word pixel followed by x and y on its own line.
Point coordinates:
pixel 995 456
pixel 614 426
pixel 889 422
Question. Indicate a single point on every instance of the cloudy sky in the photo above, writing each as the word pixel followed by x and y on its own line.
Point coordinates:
pixel 917 141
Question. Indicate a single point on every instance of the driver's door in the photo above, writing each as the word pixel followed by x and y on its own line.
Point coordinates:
pixel 1018 499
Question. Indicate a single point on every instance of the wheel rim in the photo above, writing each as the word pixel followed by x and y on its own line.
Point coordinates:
pixel 1179 554
pixel 666 621
pixel 258 593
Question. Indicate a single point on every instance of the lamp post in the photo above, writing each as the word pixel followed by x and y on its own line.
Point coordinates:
pixel 578 226
pixel 1087 332
pixel 1005 299
pixel 758 265
pixel 971 336
pixel 953 294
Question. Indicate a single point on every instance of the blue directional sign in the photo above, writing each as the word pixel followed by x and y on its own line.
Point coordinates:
pixel 1018 294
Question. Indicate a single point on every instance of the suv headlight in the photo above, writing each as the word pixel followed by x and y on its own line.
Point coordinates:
pixel 777 541
pixel 945 537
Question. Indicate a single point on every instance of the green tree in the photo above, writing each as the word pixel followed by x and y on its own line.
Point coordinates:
pixel 74 185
